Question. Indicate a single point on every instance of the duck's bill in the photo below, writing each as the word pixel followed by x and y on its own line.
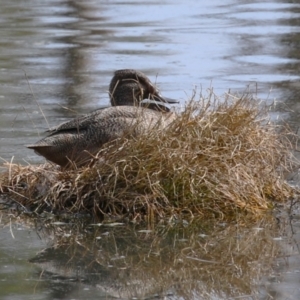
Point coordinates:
pixel 165 99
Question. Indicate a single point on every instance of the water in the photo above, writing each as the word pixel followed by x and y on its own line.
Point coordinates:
pixel 62 54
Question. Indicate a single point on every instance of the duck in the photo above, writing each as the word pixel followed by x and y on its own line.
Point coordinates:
pixel 136 106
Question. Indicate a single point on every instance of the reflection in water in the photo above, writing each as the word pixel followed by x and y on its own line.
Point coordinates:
pixel 199 261
pixel 170 261
pixel 178 261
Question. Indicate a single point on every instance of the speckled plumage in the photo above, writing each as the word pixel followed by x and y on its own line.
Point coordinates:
pixel 78 139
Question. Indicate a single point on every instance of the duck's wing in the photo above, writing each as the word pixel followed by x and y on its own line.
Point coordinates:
pixel 105 115
pixel 80 123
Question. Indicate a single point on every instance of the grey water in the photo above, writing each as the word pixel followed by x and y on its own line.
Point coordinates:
pixel 57 58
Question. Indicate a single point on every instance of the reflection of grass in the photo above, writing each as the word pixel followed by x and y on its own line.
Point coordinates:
pixel 217 159
pixel 199 261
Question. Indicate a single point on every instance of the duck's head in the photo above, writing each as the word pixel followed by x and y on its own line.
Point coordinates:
pixel 131 87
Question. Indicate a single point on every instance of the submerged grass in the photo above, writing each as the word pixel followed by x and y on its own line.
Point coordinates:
pixel 219 158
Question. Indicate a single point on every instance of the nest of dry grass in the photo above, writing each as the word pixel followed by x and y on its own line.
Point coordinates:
pixel 218 158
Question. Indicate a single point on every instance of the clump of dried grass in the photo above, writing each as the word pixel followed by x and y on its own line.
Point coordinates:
pixel 218 158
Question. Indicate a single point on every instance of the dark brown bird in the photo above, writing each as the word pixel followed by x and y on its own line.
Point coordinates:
pixel 77 140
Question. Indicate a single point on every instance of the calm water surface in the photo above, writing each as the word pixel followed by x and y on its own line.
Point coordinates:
pixel 62 54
